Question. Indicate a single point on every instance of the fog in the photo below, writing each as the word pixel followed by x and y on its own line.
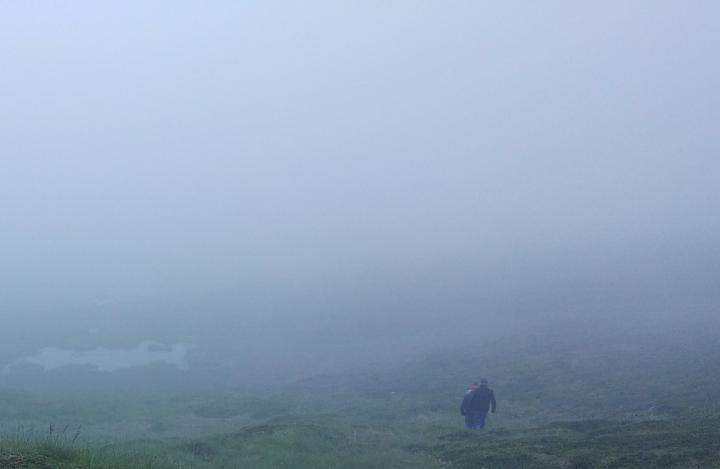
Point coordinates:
pixel 311 186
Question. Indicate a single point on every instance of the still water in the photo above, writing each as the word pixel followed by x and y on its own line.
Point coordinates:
pixel 108 359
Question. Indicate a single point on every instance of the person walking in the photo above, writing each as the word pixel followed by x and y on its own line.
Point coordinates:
pixel 476 403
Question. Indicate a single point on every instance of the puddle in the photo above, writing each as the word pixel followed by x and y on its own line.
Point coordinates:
pixel 108 359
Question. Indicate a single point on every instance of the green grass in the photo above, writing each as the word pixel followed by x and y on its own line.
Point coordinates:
pixel 565 403
pixel 333 442
pixel 693 442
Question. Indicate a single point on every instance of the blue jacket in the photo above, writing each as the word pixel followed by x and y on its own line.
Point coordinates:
pixel 479 401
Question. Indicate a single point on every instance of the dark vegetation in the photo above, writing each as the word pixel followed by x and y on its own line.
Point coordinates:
pixel 604 400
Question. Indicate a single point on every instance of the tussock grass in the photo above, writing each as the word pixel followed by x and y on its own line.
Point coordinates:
pixel 561 406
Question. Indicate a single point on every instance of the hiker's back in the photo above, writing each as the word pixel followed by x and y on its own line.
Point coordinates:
pixel 482 399
pixel 476 403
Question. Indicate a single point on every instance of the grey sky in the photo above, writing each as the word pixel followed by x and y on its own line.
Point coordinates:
pixel 165 148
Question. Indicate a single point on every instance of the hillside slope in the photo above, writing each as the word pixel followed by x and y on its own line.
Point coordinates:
pixel 289 443
pixel 614 401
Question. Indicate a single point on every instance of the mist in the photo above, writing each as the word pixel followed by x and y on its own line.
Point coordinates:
pixel 303 187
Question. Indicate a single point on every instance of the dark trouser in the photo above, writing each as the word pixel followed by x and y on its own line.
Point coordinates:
pixel 475 420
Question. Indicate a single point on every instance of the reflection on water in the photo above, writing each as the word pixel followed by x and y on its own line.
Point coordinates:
pixel 108 359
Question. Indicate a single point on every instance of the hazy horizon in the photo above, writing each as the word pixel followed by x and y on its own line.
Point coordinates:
pixel 354 178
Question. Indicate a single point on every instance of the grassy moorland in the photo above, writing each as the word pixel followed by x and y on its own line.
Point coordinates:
pixel 630 401
pixel 288 443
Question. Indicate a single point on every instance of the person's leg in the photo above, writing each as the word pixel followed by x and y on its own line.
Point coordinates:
pixel 480 420
pixel 469 422
pixel 473 421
